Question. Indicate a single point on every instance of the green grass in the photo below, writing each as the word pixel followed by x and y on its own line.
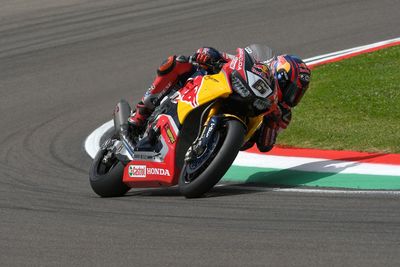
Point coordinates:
pixel 353 104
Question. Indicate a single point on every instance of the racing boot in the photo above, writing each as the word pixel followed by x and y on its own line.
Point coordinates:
pixel 137 121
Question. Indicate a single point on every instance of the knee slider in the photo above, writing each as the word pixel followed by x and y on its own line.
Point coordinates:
pixel 167 66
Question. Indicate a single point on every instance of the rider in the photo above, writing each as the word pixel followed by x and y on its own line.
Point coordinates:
pixel 291 76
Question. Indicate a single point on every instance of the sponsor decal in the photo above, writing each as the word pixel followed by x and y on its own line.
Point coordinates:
pixel 137 171
pixel 168 86
pixel 189 95
pixel 141 171
pixel 248 50
pixel 261 86
pixel 258 85
pixel 158 171
pixel 261 70
pixel 169 133
pixel 233 63
pixel 210 129
pixel 240 59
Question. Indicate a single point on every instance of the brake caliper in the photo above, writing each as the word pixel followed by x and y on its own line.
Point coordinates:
pixel 201 144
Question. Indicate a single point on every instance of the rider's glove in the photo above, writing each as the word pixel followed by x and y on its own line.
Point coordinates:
pixel 202 56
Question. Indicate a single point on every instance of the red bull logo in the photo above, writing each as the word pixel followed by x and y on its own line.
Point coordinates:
pixel 189 95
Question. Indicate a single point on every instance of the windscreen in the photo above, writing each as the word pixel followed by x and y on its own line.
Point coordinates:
pixel 259 52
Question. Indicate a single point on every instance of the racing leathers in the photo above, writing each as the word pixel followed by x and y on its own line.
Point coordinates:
pixel 175 71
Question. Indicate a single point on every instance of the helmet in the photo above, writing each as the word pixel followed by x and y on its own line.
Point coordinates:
pixel 292 77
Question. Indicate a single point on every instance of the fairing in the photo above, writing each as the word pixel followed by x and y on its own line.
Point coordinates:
pixel 211 87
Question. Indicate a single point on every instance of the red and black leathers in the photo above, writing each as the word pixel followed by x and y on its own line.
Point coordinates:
pixel 171 71
pixel 175 71
pixel 273 124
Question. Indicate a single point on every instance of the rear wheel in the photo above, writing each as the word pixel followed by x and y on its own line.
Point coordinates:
pixel 199 177
pixel 106 177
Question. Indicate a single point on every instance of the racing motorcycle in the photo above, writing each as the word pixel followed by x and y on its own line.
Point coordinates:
pixel 192 137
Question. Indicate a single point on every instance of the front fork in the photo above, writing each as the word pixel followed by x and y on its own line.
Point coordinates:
pixel 200 144
pixel 213 122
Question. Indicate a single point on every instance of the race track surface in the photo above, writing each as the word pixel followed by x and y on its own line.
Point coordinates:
pixel 63 66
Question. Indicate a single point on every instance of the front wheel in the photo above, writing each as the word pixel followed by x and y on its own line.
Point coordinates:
pixel 106 178
pixel 199 180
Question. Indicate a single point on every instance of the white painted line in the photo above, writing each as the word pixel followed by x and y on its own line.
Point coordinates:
pixel 92 142
pixel 330 56
pixel 311 190
pixel 335 191
pixel 314 164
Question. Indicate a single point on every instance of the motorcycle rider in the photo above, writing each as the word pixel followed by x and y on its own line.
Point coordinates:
pixel 290 74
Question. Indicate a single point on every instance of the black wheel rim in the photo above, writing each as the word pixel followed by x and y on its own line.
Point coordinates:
pixel 189 172
pixel 104 168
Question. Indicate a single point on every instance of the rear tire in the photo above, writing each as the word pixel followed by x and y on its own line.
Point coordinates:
pixel 219 165
pixel 107 181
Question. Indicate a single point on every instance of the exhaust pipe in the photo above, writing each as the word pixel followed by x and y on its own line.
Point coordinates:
pixel 122 112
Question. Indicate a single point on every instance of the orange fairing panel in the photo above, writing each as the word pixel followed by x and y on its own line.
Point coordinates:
pixel 203 90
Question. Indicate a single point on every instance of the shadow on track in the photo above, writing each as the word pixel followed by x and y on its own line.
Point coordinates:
pixel 299 176
pixel 218 191
pixel 288 178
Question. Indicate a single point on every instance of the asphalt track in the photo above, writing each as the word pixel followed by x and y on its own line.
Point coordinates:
pixel 64 64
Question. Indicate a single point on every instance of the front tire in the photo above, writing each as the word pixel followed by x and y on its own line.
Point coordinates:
pixel 218 165
pixel 106 180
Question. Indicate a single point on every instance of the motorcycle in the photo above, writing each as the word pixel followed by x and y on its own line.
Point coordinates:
pixel 192 137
